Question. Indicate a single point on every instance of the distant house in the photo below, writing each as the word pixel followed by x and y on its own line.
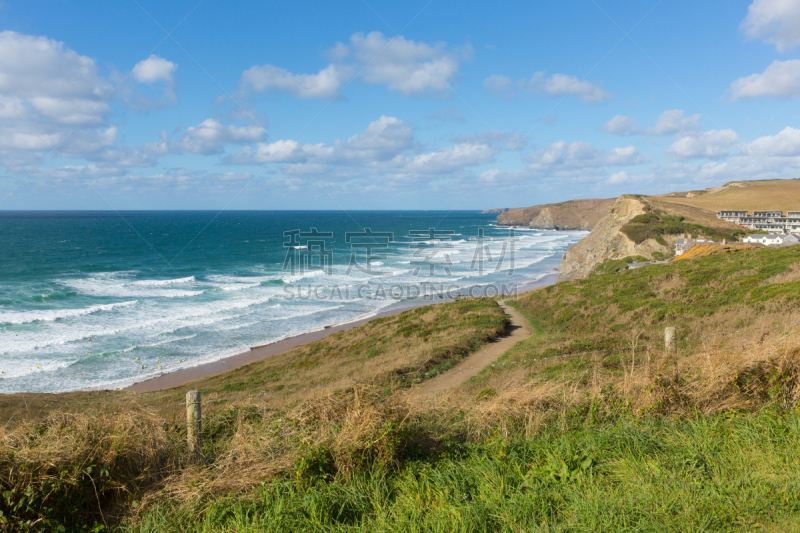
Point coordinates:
pixel 772 240
pixel 683 245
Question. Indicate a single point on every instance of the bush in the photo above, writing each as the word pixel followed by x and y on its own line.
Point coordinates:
pixel 655 225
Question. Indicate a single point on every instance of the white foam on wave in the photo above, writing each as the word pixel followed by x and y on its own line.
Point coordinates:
pixel 154 345
pixel 27 317
pixel 21 368
pixel 162 282
pixel 313 311
pixel 194 316
pixel 293 278
pixel 239 326
pixel 220 279
pixel 239 286
pixel 110 287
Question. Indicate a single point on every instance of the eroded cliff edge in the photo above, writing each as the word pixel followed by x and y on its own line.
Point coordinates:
pixel 571 215
pixel 606 241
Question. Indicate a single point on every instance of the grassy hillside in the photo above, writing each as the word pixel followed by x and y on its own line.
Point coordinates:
pixel 778 195
pixel 587 425
pixel 425 339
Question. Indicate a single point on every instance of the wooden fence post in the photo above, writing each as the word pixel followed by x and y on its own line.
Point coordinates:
pixel 671 348
pixel 193 425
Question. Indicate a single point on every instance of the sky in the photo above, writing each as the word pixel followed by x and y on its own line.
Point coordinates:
pixel 368 104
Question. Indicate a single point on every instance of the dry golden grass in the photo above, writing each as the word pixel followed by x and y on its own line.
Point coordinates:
pixel 692 214
pixel 700 250
pixel 783 195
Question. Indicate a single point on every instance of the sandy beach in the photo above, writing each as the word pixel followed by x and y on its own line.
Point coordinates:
pixel 185 375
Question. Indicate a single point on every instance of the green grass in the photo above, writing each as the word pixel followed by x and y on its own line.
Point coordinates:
pixel 656 224
pixel 719 473
pixel 675 294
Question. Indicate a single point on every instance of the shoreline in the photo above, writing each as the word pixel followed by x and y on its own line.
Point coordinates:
pixel 182 376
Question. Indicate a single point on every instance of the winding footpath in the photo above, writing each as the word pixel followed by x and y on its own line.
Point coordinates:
pixel 518 330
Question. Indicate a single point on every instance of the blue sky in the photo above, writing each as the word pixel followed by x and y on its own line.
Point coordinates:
pixel 426 104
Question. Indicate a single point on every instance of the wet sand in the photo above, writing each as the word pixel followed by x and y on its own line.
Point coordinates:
pixel 185 375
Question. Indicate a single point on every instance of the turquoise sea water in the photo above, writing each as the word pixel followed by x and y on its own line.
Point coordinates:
pixel 93 300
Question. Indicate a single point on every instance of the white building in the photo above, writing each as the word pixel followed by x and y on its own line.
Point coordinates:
pixel 731 216
pixel 772 240
pixel 769 221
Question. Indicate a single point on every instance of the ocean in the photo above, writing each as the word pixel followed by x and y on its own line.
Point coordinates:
pixel 101 300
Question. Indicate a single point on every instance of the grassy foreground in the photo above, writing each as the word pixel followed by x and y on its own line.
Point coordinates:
pixel 586 426
pixel 719 473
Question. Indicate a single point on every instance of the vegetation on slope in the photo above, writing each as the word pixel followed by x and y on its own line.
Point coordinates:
pixel 587 425
pixel 425 339
pixel 721 473
pixel 656 224
pixel 73 471
pixel 699 250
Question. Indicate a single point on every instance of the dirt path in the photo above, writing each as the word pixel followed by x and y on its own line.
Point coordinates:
pixel 486 355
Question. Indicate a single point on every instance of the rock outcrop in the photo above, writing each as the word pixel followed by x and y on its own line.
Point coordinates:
pixel 606 241
pixel 571 215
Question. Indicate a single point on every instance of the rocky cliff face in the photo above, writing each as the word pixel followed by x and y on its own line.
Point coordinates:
pixel 572 215
pixel 606 241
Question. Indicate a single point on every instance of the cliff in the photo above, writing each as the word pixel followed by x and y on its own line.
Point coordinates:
pixel 571 215
pixel 651 236
pixel 606 241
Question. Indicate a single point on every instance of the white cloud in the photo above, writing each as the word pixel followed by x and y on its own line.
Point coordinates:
pixel 559 84
pixel 774 21
pixel 780 80
pixel 211 135
pixel 383 139
pixel 402 65
pixel 578 162
pixel 50 98
pixel 503 139
pixel 555 85
pixel 408 67
pixel 324 84
pixel 450 158
pixel 619 178
pixel 672 122
pixel 620 125
pixel 154 69
pixel 207 138
pixel 283 151
pixel 669 123
pixel 139 90
pixel 50 82
pixel 578 155
pixel 783 144
pixel 385 148
pixel 713 144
